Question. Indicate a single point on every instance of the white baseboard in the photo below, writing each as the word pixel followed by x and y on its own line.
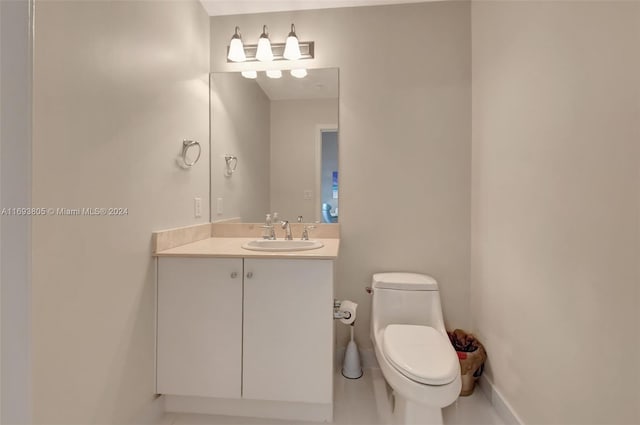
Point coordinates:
pixel 317 412
pixel 499 403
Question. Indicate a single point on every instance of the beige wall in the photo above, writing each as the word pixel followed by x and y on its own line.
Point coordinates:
pixel 556 206
pixel 240 126
pixel 294 129
pixel 404 139
pixel 117 87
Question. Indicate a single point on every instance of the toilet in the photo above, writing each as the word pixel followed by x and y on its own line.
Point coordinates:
pixel 412 347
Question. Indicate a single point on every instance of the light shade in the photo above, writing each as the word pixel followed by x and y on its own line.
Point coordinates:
pixel 299 73
pixel 236 48
pixel 264 53
pixel 249 74
pixel 274 73
pixel 292 46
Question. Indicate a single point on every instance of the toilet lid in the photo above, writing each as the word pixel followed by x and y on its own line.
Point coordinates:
pixel 421 353
pixel 404 281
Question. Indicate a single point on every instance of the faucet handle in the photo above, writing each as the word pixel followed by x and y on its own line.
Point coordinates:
pixel 305 232
pixel 300 219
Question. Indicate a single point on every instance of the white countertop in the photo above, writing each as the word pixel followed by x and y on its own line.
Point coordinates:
pixel 221 247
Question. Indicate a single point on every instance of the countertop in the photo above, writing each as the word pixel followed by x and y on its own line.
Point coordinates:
pixel 222 247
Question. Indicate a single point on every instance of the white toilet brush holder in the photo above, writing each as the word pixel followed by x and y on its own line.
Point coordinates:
pixel 351 367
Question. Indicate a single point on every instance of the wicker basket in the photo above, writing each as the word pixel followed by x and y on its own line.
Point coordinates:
pixel 471 368
pixel 471 362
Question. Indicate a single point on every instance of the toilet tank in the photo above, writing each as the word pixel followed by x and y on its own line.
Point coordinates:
pixel 405 298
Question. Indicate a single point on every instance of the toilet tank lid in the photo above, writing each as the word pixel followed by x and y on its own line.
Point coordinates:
pixel 404 281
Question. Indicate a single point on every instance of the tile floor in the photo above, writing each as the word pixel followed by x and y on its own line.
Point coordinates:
pixel 360 402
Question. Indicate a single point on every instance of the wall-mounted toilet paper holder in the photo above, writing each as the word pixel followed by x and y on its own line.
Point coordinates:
pixel 345 311
pixel 339 314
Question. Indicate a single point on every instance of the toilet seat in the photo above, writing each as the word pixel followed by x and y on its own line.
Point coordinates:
pixel 421 353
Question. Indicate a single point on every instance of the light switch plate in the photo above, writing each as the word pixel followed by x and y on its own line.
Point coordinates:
pixel 197 207
pixel 219 206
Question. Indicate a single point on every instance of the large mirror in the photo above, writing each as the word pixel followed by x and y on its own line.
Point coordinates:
pixel 274 146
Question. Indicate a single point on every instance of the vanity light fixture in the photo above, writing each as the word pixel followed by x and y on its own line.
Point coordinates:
pixel 250 74
pixel 299 73
pixel 292 46
pixel 236 48
pixel 264 52
pixel 274 73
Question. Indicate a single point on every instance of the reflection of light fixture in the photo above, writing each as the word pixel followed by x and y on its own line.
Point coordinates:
pixel 264 53
pixel 249 74
pixel 299 73
pixel 274 73
pixel 292 46
pixel 236 49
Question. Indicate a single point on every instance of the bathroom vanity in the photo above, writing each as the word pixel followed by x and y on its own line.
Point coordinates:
pixel 246 333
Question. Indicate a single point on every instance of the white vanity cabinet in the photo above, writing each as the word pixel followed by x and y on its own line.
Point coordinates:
pixel 288 330
pixel 246 336
pixel 199 336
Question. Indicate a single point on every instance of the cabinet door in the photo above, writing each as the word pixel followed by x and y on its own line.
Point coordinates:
pixel 288 330
pixel 199 345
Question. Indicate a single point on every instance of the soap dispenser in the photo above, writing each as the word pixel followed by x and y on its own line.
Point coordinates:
pixel 268 226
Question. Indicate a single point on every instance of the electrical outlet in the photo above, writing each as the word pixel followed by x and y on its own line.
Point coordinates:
pixel 308 194
pixel 197 207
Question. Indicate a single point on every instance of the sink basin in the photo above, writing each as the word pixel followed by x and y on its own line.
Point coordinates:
pixel 281 245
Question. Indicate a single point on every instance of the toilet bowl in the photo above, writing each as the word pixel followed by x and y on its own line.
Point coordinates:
pixel 412 347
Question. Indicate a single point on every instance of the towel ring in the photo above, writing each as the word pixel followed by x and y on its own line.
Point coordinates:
pixel 186 145
pixel 231 164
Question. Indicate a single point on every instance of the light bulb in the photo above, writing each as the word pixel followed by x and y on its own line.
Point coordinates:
pixel 264 53
pixel 249 74
pixel 292 46
pixel 274 73
pixel 299 73
pixel 236 49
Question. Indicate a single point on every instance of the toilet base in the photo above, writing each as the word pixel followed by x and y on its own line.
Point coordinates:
pixel 406 412
pixel 430 399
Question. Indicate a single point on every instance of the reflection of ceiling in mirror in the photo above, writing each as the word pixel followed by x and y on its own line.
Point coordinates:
pixel 318 84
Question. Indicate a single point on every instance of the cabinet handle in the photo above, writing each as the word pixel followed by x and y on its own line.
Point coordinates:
pixel 249 275
pixel 234 275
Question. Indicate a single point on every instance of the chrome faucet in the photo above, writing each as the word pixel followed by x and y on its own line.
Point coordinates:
pixel 287 230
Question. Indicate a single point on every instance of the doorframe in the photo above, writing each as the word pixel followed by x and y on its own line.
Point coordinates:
pixel 16 75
